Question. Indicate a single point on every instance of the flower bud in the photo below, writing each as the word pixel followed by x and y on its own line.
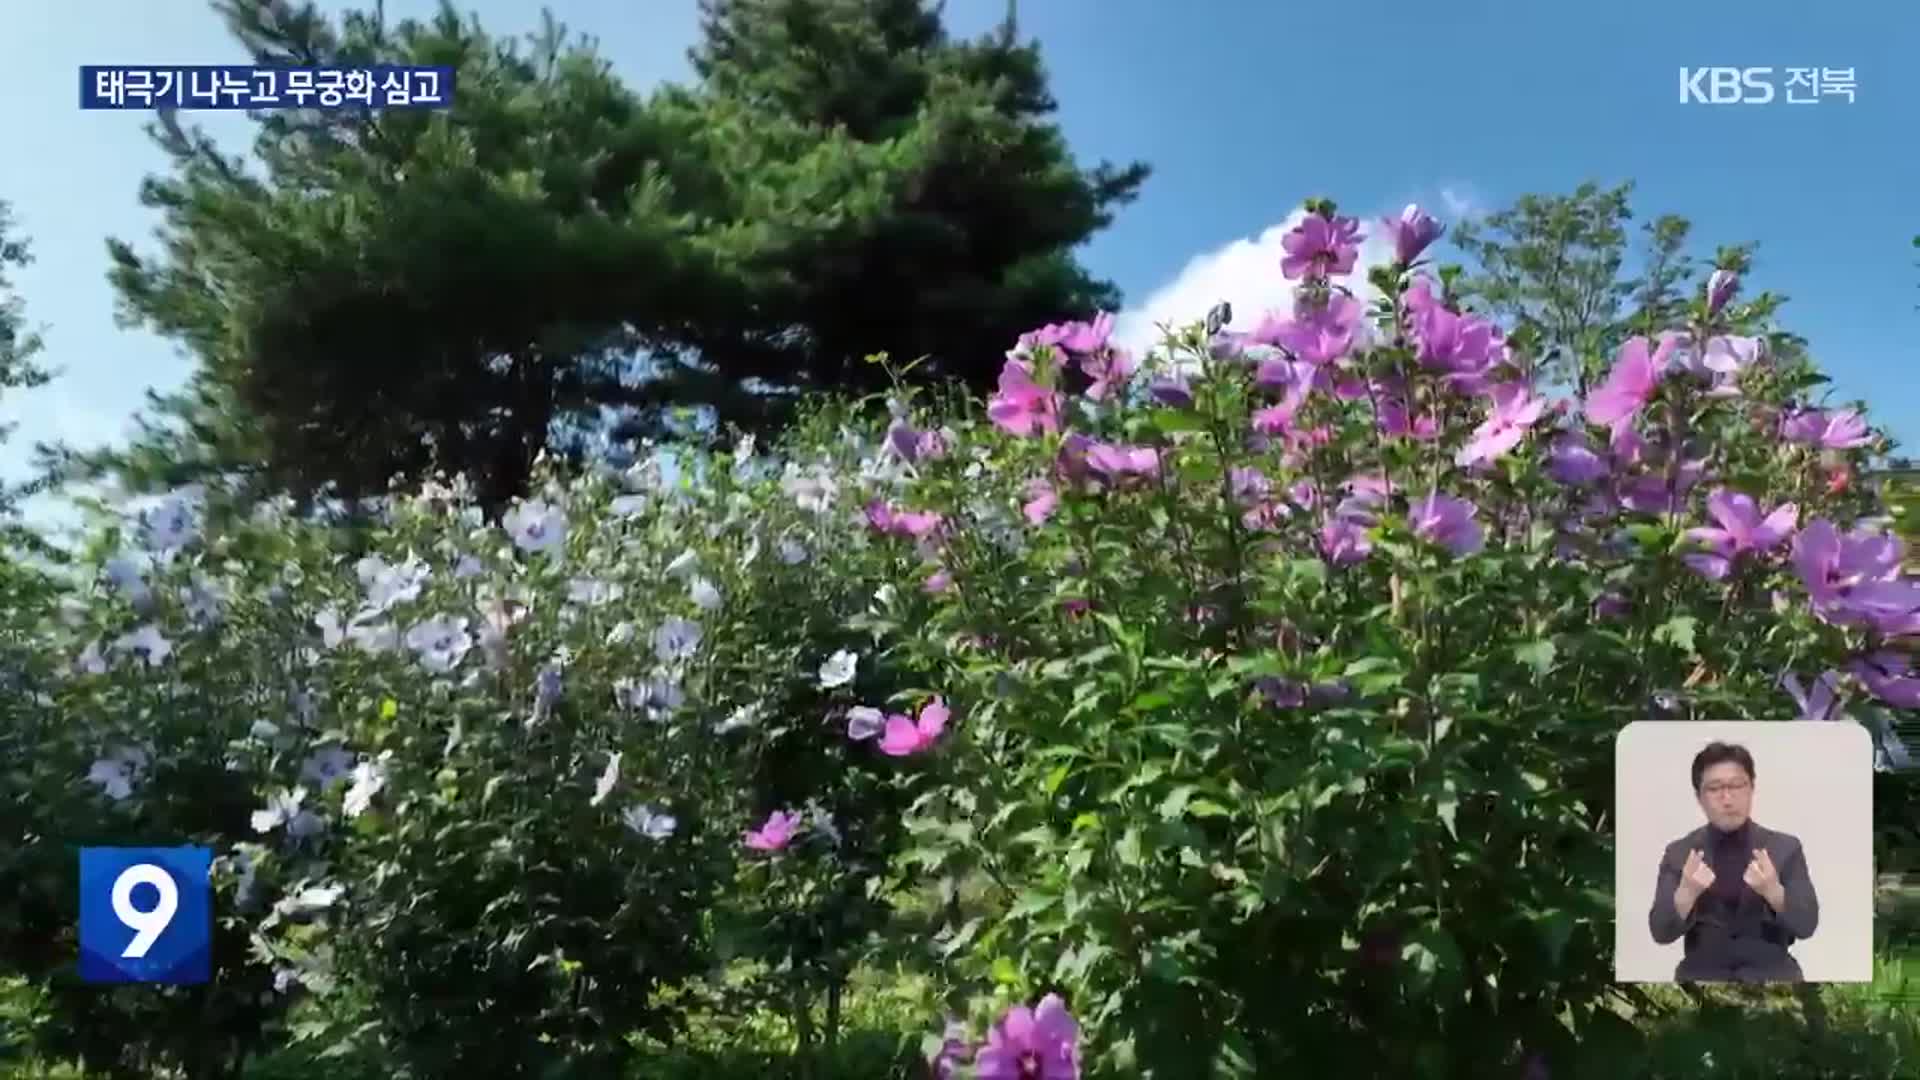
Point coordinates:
pixel 1219 317
pixel 1720 288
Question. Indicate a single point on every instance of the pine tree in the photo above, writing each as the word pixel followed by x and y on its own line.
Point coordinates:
pixel 19 370
pixel 906 191
pixel 387 294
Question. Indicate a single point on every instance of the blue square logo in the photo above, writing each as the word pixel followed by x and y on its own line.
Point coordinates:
pixel 146 914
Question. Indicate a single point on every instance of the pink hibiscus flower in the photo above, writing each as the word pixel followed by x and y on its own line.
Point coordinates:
pixel 905 737
pixel 775 833
pixel 1630 385
pixel 1022 406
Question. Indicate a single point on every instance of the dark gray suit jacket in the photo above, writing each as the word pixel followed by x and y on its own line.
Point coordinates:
pixel 1795 922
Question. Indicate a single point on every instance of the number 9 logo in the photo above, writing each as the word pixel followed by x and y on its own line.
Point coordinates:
pixel 161 899
pixel 147 925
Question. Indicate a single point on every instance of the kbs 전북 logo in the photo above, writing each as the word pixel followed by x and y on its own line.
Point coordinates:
pixel 146 915
pixel 1759 86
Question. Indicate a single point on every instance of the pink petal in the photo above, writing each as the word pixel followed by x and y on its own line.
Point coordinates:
pixel 1777 526
pixel 901 738
pixel 1040 508
pixel 917 523
pixel 1016 379
pixel 1719 540
pixel 1008 416
pixel 1735 511
pixel 1054 1026
pixel 1711 567
pixel 1016 1027
pixel 933 720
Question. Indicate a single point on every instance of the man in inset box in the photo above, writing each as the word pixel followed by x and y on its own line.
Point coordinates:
pixel 1738 892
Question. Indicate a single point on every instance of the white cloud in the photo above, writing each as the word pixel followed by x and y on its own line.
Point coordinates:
pixel 1460 204
pixel 1246 274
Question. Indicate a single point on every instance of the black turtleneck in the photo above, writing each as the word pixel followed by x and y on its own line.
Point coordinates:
pixel 1729 853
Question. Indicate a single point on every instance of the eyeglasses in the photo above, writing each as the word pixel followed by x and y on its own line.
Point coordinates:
pixel 1721 789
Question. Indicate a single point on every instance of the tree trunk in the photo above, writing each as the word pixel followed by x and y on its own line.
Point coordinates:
pixel 834 991
pixel 803 1026
pixel 522 436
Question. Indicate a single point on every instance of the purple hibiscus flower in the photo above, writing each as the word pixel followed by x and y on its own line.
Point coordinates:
pixel 1515 410
pixel 1817 702
pixel 1842 430
pixel 1412 232
pixel 1742 528
pixel 1449 522
pixel 1320 246
pixel 1032 1044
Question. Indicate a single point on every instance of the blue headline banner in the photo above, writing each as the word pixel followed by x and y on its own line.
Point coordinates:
pixel 242 86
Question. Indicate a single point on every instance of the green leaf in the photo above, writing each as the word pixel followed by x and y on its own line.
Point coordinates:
pixel 1129 849
pixel 1055 778
pixel 389 708
pixel 1234 1060
pixel 1033 903
pixel 1097 656
pixel 1149 774
pixel 1175 804
pixel 1172 421
pixel 1074 964
pixel 1678 632
pixel 931 1045
pixel 1128 639
pixel 1039 836
pixel 959 941
pixel 1650 537
pixel 1374 675
pixel 1538 655
pixel 1368 665
pixel 1555 927
pixel 1205 808
pixel 1151 700
pixel 1420 958
pixel 1313 571
pixel 1258 665
pixel 1087 698
pixel 1431 955
pixel 1005 972
pixel 1449 805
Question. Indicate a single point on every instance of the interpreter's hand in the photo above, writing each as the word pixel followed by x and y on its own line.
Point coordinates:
pixel 1762 878
pixel 1696 877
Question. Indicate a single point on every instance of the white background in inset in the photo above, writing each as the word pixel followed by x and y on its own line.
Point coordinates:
pixel 1815 780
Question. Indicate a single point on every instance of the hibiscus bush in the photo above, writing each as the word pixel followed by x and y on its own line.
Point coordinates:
pixel 141 756
pixel 1283 729
pixel 1242 706
pixel 502 794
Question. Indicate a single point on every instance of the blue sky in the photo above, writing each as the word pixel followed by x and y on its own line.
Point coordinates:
pixel 1244 108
